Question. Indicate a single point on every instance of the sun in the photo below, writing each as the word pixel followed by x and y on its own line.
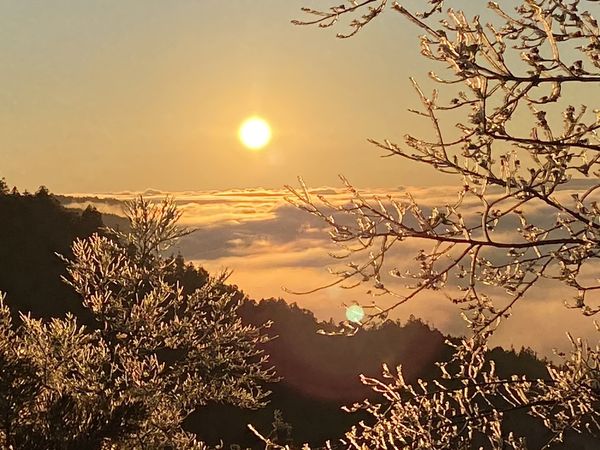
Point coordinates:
pixel 255 133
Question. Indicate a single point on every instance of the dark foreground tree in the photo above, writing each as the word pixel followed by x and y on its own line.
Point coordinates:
pixel 155 355
pixel 526 213
pixel 33 227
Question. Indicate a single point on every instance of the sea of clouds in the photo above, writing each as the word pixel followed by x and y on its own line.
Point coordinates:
pixel 270 245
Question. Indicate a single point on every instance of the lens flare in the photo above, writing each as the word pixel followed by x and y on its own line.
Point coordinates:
pixel 355 313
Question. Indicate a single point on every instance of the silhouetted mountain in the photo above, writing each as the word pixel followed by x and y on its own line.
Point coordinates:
pixel 320 373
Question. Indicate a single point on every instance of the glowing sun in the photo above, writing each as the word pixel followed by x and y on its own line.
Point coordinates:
pixel 255 133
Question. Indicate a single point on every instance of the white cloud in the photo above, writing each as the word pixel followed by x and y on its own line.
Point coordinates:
pixel 270 244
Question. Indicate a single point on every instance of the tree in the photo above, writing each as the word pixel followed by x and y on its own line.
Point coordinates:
pixel 3 187
pixel 33 228
pixel 520 148
pixel 155 354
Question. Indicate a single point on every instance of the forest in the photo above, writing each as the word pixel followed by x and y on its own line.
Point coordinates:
pixel 314 372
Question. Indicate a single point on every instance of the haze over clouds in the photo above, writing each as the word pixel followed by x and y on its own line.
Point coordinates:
pixel 270 244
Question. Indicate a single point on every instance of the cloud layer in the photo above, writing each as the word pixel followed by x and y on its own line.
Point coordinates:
pixel 270 244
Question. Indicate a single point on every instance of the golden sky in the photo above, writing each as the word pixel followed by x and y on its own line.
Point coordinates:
pixel 108 95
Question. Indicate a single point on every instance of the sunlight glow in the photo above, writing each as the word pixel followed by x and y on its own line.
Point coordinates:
pixel 255 133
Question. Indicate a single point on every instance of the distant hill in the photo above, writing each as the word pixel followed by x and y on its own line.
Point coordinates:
pixel 320 373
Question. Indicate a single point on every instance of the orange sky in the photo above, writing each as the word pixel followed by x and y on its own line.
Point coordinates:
pixel 137 94
pixel 101 96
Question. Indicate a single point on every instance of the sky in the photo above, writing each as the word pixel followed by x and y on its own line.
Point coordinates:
pixel 111 95
pixel 148 93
